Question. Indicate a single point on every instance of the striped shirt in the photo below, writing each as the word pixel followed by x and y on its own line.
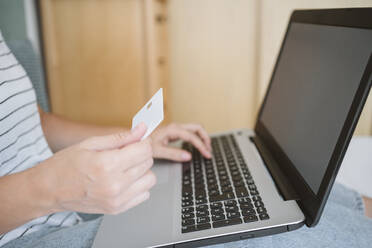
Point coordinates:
pixel 22 142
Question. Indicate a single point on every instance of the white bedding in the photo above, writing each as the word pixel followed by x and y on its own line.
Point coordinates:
pixel 356 169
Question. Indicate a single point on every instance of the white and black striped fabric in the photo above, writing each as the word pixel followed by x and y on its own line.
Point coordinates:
pixel 22 142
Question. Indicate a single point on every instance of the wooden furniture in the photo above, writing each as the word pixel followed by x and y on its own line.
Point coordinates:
pixel 104 58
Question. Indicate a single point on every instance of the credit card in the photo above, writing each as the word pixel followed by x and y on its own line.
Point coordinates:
pixel 152 114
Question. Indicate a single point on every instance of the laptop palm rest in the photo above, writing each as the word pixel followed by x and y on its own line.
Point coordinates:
pixel 147 224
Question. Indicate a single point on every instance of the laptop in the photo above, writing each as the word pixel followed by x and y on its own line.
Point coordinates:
pixel 277 177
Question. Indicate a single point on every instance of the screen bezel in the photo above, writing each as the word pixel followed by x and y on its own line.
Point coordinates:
pixel 312 203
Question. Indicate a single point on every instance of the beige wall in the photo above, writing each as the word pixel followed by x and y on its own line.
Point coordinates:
pixel 212 62
pixel 222 53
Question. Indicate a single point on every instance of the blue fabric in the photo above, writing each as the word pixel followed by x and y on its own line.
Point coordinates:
pixel 343 224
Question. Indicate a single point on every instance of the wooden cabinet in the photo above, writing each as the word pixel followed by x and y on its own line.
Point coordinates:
pixel 103 57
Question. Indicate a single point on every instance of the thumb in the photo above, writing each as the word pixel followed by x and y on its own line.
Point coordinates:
pixel 116 140
pixel 171 153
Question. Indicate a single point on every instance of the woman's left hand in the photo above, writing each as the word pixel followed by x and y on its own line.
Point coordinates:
pixel 192 133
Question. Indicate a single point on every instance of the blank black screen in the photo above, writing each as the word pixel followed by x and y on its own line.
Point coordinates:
pixel 316 78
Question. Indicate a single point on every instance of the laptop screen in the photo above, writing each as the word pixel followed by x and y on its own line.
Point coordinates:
pixel 312 89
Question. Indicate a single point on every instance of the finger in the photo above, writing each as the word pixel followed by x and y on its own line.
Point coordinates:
pixel 136 201
pixel 171 153
pixel 133 174
pixel 200 131
pixel 145 183
pixel 117 140
pixel 131 155
pixel 193 139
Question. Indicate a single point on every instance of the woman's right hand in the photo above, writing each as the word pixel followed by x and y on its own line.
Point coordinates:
pixel 106 174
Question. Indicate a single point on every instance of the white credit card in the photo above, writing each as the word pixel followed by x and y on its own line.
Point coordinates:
pixel 152 114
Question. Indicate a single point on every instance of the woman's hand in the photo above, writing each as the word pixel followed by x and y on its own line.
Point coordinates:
pixel 103 174
pixel 192 133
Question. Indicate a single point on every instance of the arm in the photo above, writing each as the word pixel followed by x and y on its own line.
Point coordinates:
pixel 23 197
pixel 103 174
pixel 61 133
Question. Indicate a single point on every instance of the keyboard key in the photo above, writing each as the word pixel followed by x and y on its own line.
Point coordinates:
pixel 258 204
pixel 213 192
pixel 256 198
pixel 200 192
pixel 252 187
pixel 254 192
pixel 187 190
pixel 202 213
pixel 186 193
pixel 237 178
pixel 188 216
pixel 188 222
pixel 212 187
pixel 227 222
pixel 201 201
pixel 200 197
pixel 224 177
pixel 202 220
pixel 250 181
pixel 188 210
pixel 218 217
pixel 232 209
pixel 226 196
pixel 250 218
pixel 187 203
pixel 244 200
pixel 246 205
pixel 241 192
pixel 216 205
pixel 217 211
pixel 264 216
pixel 232 215
pixel 202 208
pixel 187 198
pixel 248 211
pixel 203 226
pixel 227 188
pixel 261 210
pixel 230 203
pixel 186 229
pixel 239 183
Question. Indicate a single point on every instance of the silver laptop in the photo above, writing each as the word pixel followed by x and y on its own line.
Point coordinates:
pixel 277 177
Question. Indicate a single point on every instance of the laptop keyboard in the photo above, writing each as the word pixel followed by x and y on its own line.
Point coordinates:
pixel 220 191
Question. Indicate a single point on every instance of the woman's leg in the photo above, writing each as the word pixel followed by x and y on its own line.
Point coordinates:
pixel 343 224
pixel 78 236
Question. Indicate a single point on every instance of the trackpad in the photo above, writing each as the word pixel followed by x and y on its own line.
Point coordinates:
pixel 162 169
pixel 147 224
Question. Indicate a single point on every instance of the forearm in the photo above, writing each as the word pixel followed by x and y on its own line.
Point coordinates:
pixel 24 196
pixel 61 133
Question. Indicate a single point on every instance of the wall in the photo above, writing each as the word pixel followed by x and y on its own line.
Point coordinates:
pixel 212 62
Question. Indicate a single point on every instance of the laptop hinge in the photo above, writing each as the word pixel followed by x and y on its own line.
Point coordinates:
pixel 283 185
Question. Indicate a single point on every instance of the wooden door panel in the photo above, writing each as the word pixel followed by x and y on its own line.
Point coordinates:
pixel 95 58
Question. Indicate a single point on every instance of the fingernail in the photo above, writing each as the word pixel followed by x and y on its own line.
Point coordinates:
pixel 186 156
